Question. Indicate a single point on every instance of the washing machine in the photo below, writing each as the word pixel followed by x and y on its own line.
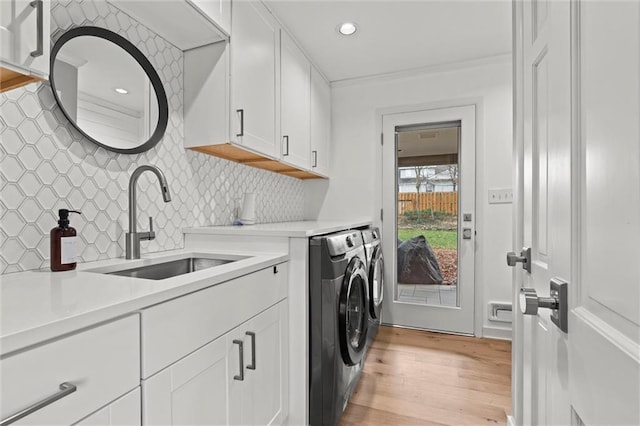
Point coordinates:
pixel 338 323
pixel 375 277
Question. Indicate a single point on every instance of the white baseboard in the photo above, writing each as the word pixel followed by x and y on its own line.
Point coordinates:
pixel 511 421
pixel 501 333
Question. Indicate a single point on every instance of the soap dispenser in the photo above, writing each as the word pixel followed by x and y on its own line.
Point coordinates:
pixel 64 246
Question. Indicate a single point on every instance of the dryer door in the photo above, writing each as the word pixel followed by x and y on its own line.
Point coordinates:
pixel 353 319
pixel 376 283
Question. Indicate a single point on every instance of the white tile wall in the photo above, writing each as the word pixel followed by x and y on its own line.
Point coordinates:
pixel 45 164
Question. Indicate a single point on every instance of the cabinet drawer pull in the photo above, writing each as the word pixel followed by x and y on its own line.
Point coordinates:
pixel 252 366
pixel 240 344
pixel 286 144
pixel 241 112
pixel 65 389
pixel 38 4
pixel 315 158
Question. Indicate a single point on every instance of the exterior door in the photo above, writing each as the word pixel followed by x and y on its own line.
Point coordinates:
pixel 398 309
pixel 578 191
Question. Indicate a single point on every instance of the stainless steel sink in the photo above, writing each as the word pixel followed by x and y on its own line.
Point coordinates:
pixel 173 268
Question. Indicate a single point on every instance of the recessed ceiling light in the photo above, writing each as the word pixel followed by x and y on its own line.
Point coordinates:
pixel 121 90
pixel 348 28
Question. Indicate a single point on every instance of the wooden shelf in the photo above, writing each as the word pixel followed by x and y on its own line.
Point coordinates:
pixel 240 155
pixel 12 80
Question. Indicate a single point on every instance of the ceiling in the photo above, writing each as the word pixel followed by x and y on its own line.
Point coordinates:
pixel 418 143
pixel 396 35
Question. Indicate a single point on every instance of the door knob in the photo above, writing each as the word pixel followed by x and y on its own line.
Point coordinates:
pixel 557 301
pixel 530 302
pixel 524 258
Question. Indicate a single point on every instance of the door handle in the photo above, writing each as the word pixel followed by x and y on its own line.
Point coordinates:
pixel 38 4
pixel 251 334
pixel 240 344
pixel 524 258
pixel 241 112
pixel 64 390
pixel 557 301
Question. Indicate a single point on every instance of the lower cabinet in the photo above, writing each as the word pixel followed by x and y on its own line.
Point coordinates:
pixel 238 378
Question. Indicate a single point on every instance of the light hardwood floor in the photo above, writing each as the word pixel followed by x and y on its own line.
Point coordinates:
pixel 415 377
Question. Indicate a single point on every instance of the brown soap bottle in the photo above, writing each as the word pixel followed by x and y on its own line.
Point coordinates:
pixel 64 247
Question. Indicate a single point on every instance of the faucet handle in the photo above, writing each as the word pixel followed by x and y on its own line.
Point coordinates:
pixel 151 234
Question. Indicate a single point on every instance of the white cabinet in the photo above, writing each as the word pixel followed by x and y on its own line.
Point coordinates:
pixel 219 11
pixel 320 123
pixel 253 77
pixel 295 84
pixel 24 42
pixel 239 378
pixel 259 396
pixel 102 363
pixel 195 345
pixel 193 391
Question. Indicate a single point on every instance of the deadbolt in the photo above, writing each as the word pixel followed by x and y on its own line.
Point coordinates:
pixel 557 302
pixel 524 258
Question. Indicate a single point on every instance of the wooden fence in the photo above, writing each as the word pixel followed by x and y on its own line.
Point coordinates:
pixel 436 201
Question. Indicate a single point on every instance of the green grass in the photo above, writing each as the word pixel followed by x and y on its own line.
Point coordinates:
pixel 436 238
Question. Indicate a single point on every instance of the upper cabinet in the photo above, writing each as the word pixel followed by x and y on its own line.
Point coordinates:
pixel 320 123
pixel 295 84
pixel 186 24
pixel 251 100
pixel 24 42
pixel 253 77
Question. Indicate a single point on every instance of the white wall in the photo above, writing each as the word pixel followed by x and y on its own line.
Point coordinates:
pixel 354 187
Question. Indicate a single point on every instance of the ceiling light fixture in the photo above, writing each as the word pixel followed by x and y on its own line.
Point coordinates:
pixel 121 91
pixel 348 28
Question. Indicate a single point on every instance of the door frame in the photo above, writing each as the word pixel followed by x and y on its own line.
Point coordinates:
pixel 479 211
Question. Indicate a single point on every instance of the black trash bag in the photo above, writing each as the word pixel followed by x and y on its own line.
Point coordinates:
pixel 417 263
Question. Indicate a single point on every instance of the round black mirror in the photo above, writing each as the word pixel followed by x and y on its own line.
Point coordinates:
pixel 108 90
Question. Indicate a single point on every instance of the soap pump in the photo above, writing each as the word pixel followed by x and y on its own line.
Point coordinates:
pixel 64 245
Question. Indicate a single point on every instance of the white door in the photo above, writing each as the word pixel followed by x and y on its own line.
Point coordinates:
pixel 295 81
pixel 193 391
pixel 578 162
pixel 457 317
pixel 253 77
pixel 320 122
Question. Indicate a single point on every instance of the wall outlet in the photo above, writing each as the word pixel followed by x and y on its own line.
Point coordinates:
pixel 501 196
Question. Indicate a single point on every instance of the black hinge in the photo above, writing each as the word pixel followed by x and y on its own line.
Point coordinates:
pixel 381 215
pixel 381 138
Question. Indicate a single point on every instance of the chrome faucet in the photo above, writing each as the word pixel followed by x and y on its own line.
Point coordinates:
pixel 133 237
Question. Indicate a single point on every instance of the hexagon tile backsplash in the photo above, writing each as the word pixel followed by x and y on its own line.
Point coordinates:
pixel 46 165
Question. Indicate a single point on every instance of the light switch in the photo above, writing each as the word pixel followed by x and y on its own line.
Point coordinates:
pixel 501 196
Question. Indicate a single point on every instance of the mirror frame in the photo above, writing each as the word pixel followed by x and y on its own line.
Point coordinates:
pixel 154 78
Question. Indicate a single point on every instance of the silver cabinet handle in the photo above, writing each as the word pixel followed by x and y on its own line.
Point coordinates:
pixel 286 144
pixel 315 158
pixel 251 334
pixel 38 4
pixel 241 112
pixel 240 344
pixel 65 389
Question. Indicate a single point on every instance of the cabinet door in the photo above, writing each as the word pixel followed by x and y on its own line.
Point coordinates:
pixel 265 397
pixel 22 33
pixel 218 10
pixel 125 411
pixel 295 84
pixel 320 122
pixel 193 391
pixel 253 77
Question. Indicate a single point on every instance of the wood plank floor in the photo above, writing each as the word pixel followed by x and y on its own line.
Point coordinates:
pixel 415 377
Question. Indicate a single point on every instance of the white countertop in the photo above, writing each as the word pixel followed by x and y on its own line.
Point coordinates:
pixel 302 229
pixel 39 305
